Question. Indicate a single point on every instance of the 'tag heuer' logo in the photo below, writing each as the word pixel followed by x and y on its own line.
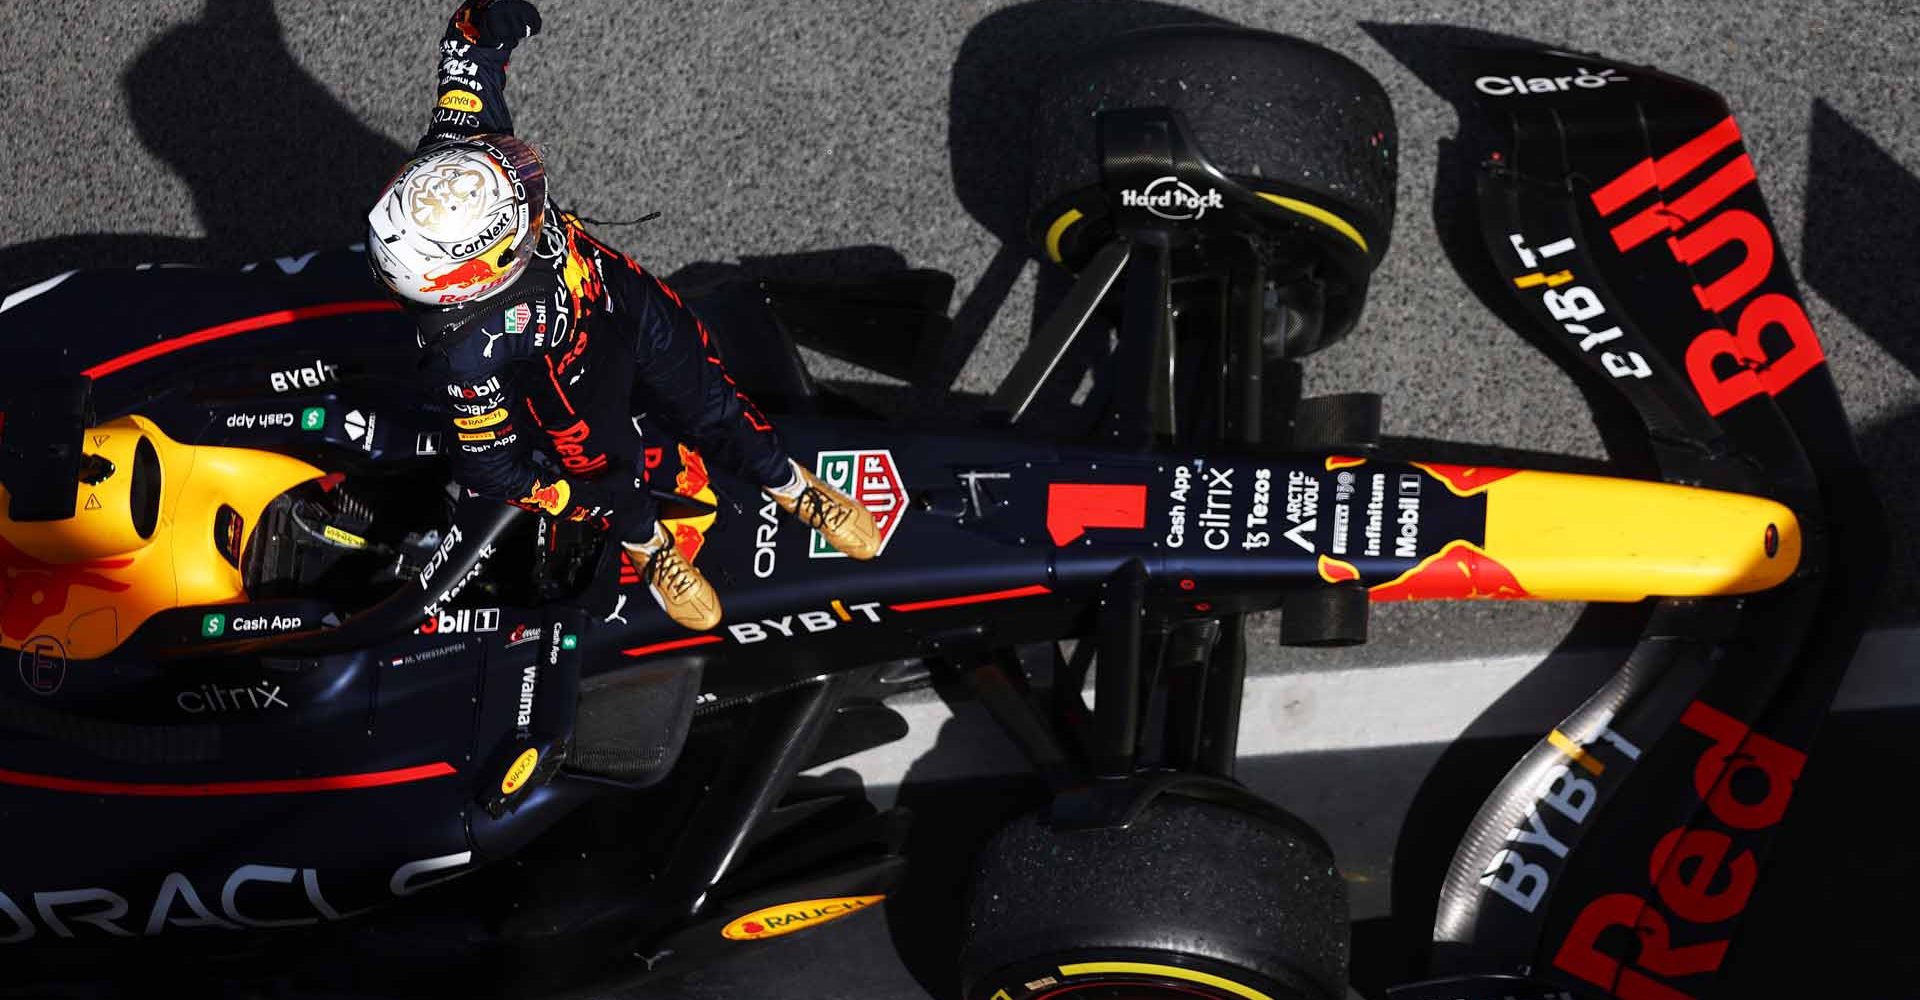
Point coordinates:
pixel 870 477
pixel 774 921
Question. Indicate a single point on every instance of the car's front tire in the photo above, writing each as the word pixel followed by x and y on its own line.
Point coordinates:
pixel 1193 899
pixel 1302 126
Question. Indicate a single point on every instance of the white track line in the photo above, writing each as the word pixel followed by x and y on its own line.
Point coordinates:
pixel 1423 703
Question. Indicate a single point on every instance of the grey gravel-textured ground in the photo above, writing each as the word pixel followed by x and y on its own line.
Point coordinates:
pixel 225 130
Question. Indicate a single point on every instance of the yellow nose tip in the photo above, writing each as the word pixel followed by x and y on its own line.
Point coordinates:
pixel 1586 538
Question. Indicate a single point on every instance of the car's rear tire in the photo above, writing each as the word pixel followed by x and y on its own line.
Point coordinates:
pixel 1192 899
pixel 1286 118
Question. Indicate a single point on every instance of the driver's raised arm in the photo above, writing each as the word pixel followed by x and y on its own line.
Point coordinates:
pixel 471 67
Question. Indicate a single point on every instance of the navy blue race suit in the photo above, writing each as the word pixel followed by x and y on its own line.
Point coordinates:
pixel 542 379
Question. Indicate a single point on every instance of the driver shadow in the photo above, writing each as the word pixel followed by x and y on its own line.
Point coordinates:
pixel 210 98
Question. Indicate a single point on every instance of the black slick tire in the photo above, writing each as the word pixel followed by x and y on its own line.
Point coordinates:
pixel 1192 899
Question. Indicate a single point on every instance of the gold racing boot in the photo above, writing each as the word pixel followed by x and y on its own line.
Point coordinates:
pixel 844 522
pixel 680 590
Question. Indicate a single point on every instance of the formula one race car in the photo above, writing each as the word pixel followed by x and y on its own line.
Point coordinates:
pixel 278 679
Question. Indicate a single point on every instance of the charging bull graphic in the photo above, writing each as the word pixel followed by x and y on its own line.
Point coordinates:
pixel 473 272
pixel 32 591
pixel 692 481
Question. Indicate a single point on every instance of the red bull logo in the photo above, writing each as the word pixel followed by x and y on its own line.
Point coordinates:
pixel 1458 572
pixel 463 23
pixel 32 591
pixel 579 274
pixel 688 540
pixel 551 498
pixel 692 477
pixel 474 272
pixel 573 353
pixel 690 533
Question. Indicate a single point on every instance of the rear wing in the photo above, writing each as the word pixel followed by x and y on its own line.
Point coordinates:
pixel 1624 214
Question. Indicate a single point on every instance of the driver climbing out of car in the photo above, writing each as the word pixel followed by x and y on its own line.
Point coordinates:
pixel 546 341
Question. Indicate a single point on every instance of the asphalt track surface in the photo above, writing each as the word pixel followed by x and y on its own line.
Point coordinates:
pixel 847 136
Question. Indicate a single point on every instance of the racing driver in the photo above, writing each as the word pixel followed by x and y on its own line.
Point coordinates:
pixel 547 341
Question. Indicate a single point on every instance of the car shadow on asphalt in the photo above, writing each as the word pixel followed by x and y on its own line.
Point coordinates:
pixel 273 161
pixel 1857 251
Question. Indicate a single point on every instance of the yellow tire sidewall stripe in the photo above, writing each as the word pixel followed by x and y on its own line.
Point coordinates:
pixel 1059 229
pixel 1169 971
pixel 1320 215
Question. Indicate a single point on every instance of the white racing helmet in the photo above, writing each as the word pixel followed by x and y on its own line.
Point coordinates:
pixel 459 222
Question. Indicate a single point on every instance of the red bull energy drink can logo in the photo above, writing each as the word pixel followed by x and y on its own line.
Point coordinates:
pixel 474 272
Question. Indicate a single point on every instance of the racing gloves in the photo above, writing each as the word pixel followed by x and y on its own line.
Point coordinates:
pixel 497 24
